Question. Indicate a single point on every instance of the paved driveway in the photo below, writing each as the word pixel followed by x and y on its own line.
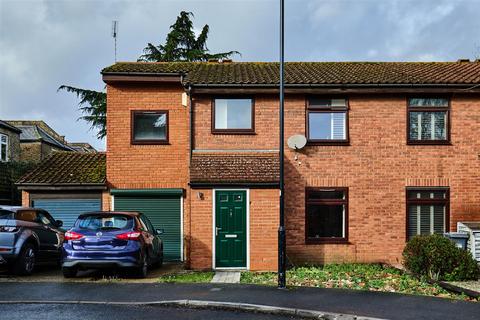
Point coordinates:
pixel 49 273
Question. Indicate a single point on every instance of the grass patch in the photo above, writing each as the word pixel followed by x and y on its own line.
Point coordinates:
pixel 371 277
pixel 187 277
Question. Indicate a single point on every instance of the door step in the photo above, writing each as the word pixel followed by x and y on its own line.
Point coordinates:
pixel 226 277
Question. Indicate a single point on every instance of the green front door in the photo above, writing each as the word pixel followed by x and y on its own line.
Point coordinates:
pixel 231 229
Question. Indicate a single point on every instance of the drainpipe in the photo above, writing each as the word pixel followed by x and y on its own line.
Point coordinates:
pixel 192 132
pixel 281 228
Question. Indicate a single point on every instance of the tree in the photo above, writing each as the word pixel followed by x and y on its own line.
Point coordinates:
pixel 93 105
pixel 181 44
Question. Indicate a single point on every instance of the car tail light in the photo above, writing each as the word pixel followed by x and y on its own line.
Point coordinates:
pixel 8 229
pixel 132 235
pixel 71 235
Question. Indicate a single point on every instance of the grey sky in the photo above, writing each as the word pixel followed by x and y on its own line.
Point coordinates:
pixel 44 44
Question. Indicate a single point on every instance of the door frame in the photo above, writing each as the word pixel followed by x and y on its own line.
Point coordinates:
pixel 182 257
pixel 214 238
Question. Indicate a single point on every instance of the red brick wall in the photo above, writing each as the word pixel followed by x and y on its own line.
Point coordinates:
pixel 263 229
pixel 377 167
pixel 266 126
pixel 146 166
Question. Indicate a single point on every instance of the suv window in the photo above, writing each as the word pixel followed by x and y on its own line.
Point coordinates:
pixel 26 215
pixel 5 214
pixel 148 224
pixel 44 218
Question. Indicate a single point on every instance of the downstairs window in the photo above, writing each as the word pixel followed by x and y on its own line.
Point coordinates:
pixel 326 216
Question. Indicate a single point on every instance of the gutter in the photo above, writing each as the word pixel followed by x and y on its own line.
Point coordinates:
pixel 61 186
pixel 329 85
pixel 192 127
pixel 144 74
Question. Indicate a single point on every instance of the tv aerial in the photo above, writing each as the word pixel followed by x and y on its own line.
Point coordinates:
pixel 297 142
pixel 114 35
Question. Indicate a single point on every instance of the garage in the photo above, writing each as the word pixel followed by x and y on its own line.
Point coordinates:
pixel 164 209
pixel 66 184
pixel 67 210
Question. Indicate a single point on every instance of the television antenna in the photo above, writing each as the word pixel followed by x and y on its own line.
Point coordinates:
pixel 114 35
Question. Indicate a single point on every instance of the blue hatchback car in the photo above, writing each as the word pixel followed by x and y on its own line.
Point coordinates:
pixel 109 239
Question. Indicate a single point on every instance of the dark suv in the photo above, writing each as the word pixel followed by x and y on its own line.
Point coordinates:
pixel 28 236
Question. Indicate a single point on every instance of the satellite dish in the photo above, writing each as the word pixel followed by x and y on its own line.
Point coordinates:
pixel 297 142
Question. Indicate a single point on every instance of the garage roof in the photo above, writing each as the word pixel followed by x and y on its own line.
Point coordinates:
pixel 68 168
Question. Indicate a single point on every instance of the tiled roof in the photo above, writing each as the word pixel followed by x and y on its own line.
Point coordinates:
pixel 8 126
pixel 68 168
pixel 311 73
pixel 234 168
pixel 38 130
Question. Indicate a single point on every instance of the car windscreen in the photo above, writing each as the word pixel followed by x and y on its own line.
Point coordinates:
pixel 5 214
pixel 104 222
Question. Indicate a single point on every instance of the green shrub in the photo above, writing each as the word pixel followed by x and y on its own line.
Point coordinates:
pixel 439 258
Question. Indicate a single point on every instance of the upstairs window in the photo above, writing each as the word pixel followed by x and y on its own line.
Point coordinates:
pixel 427 211
pixel 326 216
pixel 428 121
pixel 327 121
pixel 3 147
pixel 149 127
pixel 233 116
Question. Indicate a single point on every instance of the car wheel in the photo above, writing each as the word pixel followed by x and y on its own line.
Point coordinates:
pixel 25 262
pixel 141 271
pixel 69 272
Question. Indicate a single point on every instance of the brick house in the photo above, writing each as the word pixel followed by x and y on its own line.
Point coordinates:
pixel 392 151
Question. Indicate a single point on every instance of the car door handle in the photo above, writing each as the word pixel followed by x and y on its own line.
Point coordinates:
pixel 216 230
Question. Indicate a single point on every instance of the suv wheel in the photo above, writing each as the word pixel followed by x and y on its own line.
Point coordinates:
pixel 69 272
pixel 25 262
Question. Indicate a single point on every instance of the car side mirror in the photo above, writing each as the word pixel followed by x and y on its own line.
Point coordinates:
pixel 159 232
pixel 58 223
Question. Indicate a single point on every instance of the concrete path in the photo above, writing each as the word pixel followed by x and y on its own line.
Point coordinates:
pixel 226 277
pixel 362 303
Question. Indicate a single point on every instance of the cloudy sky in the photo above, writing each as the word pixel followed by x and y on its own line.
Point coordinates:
pixel 44 44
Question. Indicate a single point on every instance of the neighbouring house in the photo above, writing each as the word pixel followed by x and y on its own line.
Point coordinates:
pixel 392 151
pixel 82 147
pixel 38 140
pixel 66 184
pixel 9 156
pixel 9 142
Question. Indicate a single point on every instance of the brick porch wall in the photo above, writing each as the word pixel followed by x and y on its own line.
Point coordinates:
pixel 263 229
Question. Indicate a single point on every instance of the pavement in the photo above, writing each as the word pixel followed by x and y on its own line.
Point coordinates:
pixel 354 302
pixel 226 277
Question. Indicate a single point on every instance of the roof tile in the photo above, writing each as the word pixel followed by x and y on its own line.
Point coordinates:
pixel 235 168
pixel 311 73
pixel 68 168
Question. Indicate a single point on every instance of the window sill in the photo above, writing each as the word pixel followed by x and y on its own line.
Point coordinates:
pixel 328 143
pixel 428 143
pixel 327 241
pixel 234 132
pixel 149 142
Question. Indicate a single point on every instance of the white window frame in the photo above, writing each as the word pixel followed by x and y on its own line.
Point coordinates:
pixel 4 145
